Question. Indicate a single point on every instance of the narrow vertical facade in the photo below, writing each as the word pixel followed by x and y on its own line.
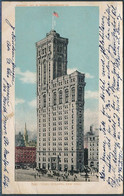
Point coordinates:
pixel 25 136
pixel 60 107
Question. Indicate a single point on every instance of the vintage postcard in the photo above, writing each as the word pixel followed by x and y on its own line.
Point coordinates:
pixel 62 99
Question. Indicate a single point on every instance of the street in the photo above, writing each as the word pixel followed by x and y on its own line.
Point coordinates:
pixel 32 175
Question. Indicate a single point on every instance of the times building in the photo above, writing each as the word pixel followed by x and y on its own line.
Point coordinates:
pixel 60 108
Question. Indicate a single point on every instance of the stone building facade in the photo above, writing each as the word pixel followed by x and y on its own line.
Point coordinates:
pixel 25 156
pixel 60 107
pixel 93 149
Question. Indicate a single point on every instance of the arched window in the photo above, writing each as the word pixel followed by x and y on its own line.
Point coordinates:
pixel 44 68
pixel 60 97
pixel 59 67
pixel 66 95
pixel 54 71
pixel 44 100
pixel 80 94
pixel 73 93
pixel 54 98
pixel 39 75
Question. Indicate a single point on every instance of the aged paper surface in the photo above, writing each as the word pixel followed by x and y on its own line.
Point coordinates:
pixel 110 99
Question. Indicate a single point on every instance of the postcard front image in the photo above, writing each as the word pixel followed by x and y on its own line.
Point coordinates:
pixel 61 98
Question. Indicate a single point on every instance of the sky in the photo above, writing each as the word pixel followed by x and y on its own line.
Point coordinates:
pixel 81 26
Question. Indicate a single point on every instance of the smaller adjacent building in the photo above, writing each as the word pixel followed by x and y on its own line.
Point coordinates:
pixel 25 150
pixel 32 143
pixel 25 156
pixel 23 139
pixel 92 144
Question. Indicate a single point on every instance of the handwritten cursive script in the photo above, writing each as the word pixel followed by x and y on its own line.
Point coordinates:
pixel 110 91
pixel 7 83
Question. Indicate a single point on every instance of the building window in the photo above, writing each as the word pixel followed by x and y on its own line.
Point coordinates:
pixel 80 94
pixel 59 70
pixel 60 97
pixel 66 95
pixel 54 98
pixel 65 160
pixel 49 48
pixel 39 74
pixel 73 94
pixel 44 66
pixel 91 164
pixel 39 52
pixel 54 71
pixel 44 100
pixel 44 158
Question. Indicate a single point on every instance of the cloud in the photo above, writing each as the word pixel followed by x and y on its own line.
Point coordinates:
pixel 91 95
pixel 19 101
pixel 71 70
pixel 87 75
pixel 91 117
pixel 26 77
pixel 32 103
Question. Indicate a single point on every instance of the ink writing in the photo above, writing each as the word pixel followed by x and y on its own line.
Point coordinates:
pixel 7 83
pixel 110 96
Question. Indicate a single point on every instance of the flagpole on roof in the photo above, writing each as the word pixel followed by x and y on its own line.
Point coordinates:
pixel 52 21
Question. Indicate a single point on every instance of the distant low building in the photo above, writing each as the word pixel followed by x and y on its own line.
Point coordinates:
pixel 19 140
pixel 23 139
pixel 32 143
pixel 92 144
pixel 25 156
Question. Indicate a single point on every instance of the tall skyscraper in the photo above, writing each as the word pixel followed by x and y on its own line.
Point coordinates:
pixel 60 107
